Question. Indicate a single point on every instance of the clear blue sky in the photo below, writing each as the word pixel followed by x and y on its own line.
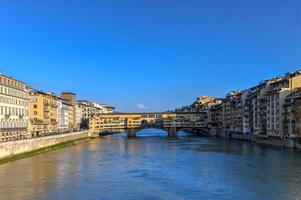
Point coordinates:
pixel 159 53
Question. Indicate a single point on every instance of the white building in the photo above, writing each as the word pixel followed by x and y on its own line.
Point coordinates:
pixel 108 109
pixel 89 108
pixel 79 111
pixel 14 113
pixel 63 115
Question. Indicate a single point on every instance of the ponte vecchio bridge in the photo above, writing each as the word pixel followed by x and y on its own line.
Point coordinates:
pixel 131 123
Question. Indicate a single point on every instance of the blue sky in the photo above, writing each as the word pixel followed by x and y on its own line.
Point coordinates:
pixel 160 54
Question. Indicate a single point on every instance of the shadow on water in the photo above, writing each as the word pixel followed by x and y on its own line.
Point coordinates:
pixel 151 132
pixel 215 147
pixel 204 144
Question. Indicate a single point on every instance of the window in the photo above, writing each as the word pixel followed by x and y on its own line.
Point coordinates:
pixel 34 100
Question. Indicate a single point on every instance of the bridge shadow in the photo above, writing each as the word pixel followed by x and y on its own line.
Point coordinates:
pixel 151 132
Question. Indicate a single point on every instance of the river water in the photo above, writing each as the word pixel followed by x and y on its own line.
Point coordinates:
pixel 152 167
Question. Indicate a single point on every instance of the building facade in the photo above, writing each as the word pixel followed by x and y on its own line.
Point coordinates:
pixel 279 89
pixel 14 108
pixel 79 111
pixel 266 110
pixel 292 115
pixel 70 100
pixel 63 115
pixel 90 108
pixel 216 118
pixel 87 108
pixel 233 112
pixel 43 113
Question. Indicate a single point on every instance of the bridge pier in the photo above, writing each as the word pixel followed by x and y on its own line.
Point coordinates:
pixel 131 132
pixel 172 132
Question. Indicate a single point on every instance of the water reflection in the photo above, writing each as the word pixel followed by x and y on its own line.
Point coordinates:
pixel 153 166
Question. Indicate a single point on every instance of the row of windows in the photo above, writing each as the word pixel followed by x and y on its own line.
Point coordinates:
pixel 45 101
pixel 49 103
pixel 11 134
pixel 13 124
pixel 14 92
pixel 273 97
pixel 45 114
pixel 13 101
pixel 11 83
pixel 273 112
pixel 46 108
pixel 4 110
pixel 273 104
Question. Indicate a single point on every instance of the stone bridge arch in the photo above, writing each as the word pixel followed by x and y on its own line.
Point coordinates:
pixel 171 131
pixel 137 130
pixel 132 132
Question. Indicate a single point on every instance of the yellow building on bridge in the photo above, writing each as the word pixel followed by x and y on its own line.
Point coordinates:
pixel 124 122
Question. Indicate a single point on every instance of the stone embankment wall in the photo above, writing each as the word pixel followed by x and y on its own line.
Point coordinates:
pixel 11 148
pixel 268 141
pixel 273 141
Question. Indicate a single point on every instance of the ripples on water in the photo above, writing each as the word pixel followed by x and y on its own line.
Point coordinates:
pixel 153 166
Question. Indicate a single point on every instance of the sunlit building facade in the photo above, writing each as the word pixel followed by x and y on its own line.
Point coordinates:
pixel 43 113
pixel 14 106
pixel 63 115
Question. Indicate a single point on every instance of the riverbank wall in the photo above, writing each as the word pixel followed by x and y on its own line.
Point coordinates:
pixel 12 148
pixel 262 140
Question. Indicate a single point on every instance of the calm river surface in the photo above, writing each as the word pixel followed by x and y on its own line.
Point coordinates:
pixel 152 167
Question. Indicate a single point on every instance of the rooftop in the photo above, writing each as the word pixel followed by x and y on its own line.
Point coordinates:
pixel 10 77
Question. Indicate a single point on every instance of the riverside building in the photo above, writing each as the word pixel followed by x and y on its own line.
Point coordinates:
pixel 216 118
pixel 79 110
pixel 270 109
pixel 63 115
pixel 43 113
pixel 292 115
pixel 88 108
pixel 280 88
pixel 14 101
pixel 70 100
pixel 231 108
pixel 91 108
